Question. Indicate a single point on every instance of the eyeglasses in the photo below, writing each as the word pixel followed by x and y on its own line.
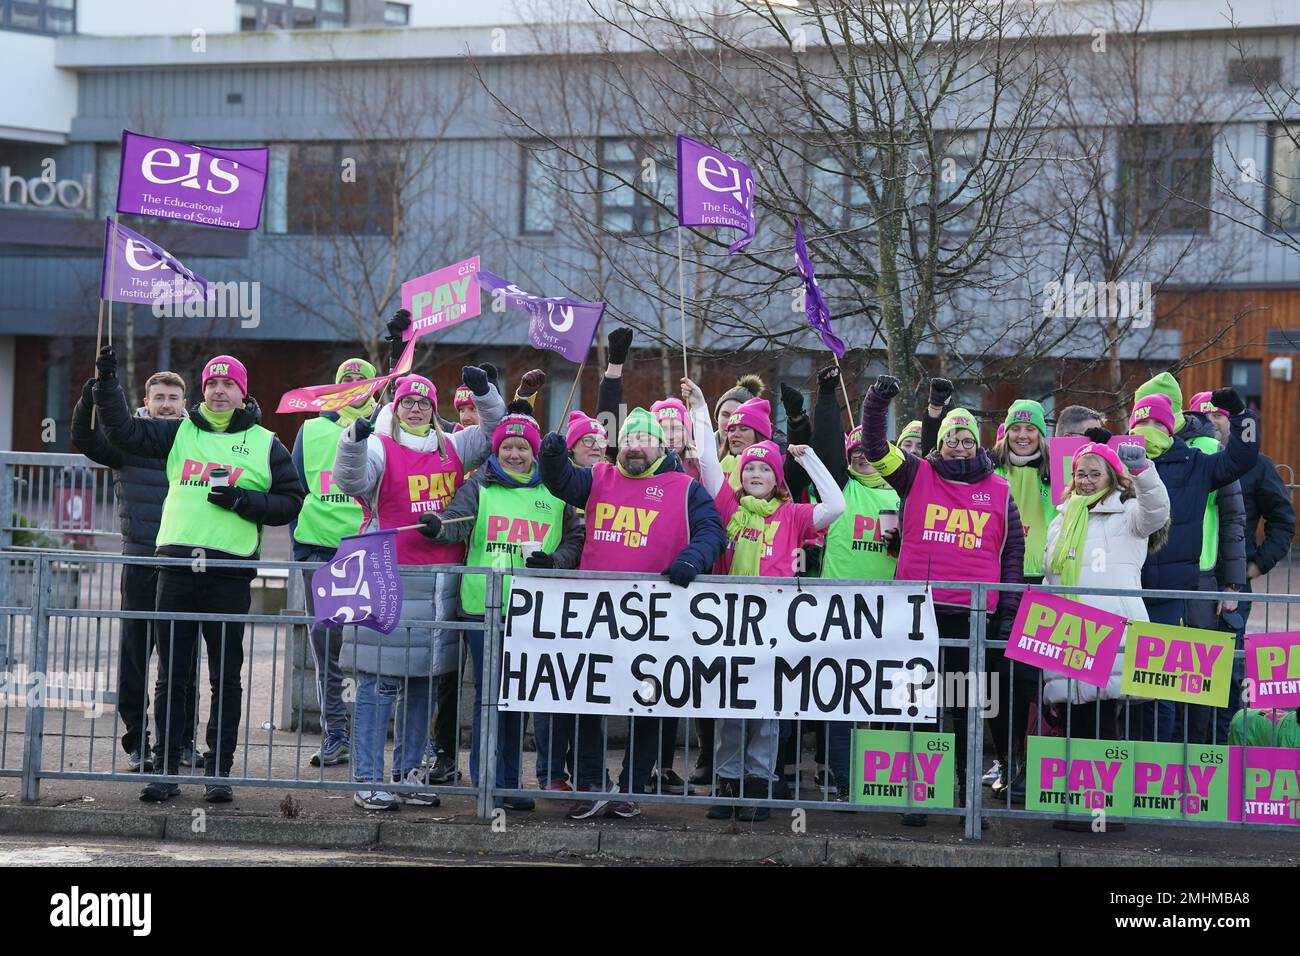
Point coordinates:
pixel 423 404
pixel 1093 476
pixel 591 441
pixel 959 443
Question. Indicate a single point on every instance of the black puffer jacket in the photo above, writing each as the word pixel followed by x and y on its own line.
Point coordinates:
pixel 153 438
pixel 1266 497
pixel 139 484
pixel 1230 566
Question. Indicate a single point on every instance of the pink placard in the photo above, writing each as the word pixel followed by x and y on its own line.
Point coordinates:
pixel 1060 455
pixel 1056 634
pixel 1273 669
pixel 441 298
pixel 1263 785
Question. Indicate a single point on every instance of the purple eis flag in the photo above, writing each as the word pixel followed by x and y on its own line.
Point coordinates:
pixel 714 190
pixel 566 326
pixel 196 184
pixel 139 270
pixel 361 585
pixel 819 316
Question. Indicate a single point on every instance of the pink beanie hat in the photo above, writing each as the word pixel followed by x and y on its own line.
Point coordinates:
pixel 226 366
pixel 1154 408
pixel 1101 451
pixel 768 454
pixel 580 426
pixel 517 426
pixel 852 440
pixel 418 386
pixel 1203 402
pixel 672 408
pixel 755 413
pixel 464 397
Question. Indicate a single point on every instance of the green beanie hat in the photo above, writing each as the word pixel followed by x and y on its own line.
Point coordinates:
pixel 1026 411
pixel 959 419
pixel 640 420
pixel 1164 384
pixel 911 430
pixel 357 365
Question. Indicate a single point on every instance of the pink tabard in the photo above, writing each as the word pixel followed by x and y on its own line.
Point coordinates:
pixel 789 528
pixel 635 524
pixel 415 483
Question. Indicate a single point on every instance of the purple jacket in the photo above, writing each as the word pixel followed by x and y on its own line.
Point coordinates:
pixel 874 409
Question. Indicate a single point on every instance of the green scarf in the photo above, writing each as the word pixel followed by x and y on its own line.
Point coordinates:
pixel 1157 441
pixel 419 431
pixel 1027 492
pixel 871 481
pixel 649 472
pixel 219 421
pixel 751 515
pixel 1067 555
pixel 350 413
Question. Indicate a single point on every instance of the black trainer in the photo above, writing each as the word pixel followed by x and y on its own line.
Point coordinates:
pixel 218 793
pixel 137 763
pixel 159 792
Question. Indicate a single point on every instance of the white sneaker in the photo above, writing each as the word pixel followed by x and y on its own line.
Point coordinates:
pixel 994 772
pixel 422 798
pixel 375 800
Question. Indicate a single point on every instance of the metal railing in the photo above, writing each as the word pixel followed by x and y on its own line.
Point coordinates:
pixel 64 625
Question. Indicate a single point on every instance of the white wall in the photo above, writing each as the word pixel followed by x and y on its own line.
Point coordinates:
pixel 155 17
pixel 43 112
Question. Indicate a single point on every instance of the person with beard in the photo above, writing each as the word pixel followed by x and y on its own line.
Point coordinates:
pixel 220 522
pixel 684 539
pixel 958 480
pixel 140 486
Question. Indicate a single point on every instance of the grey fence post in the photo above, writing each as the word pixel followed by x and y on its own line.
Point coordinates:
pixel 35 728
pixel 6 542
pixel 975 712
pixel 493 639
pixel 296 638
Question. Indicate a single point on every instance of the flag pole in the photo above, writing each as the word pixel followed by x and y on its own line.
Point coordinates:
pixel 112 277
pixel 681 296
pixel 572 391
pixel 848 404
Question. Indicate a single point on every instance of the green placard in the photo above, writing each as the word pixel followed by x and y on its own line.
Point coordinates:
pixel 1167 787
pixel 891 770
pixel 1098 775
pixel 1178 663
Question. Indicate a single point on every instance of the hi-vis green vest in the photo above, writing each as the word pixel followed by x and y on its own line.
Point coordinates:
pixel 1210 526
pixel 328 515
pixel 854 548
pixel 507 517
pixel 188 517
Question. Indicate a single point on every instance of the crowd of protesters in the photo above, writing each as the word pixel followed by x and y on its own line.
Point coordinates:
pixel 1179 510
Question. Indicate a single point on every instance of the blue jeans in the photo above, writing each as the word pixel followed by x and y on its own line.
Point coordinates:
pixel 377 699
pixel 575 739
pixel 510 725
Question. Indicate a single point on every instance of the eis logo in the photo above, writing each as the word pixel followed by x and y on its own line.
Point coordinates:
pixel 981 498
pixel 655 492
pixel 157 165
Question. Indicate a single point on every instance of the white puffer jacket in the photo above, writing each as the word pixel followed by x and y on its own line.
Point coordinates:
pixel 1113 555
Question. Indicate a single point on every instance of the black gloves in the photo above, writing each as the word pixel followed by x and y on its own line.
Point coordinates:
pixel 1099 435
pixel 519 406
pixel 1228 400
pixel 681 572
pixel 492 375
pixel 430 525
pixel 398 324
pixel 531 383
pixel 476 379
pixel 361 429
pixel 228 497
pixel 620 341
pixel 106 364
pixel 540 559
pixel 552 446
pixel 940 391
pixel 886 387
pixel 828 379
pixel 792 399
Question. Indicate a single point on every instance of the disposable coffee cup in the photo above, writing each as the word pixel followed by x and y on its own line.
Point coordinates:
pixel 888 521
pixel 528 548
pixel 218 478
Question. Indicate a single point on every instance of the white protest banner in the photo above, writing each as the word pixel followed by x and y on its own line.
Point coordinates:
pixel 718 650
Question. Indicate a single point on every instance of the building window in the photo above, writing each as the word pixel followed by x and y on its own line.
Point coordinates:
pixel 839 198
pixel 397 14
pixel 1246 376
pixel 539 195
pixel 1284 175
pixel 335 188
pixel 39 16
pixel 1164 179
pixel 292 15
pixel 625 208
